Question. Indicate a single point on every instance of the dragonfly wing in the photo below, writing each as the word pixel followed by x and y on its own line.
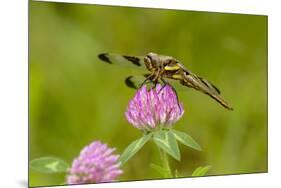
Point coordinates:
pixel 123 60
pixel 210 86
pixel 205 86
pixel 176 84
pixel 137 81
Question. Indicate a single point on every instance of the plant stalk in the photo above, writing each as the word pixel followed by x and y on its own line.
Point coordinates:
pixel 166 164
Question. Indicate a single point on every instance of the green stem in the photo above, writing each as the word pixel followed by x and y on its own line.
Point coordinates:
pixel 165 163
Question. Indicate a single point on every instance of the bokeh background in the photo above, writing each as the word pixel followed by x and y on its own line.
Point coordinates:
pixel 75 99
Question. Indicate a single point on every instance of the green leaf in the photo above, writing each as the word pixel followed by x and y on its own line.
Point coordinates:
pixel 49 165
pixel 201 171
pixel 186 139
pixel 162 171
pixel 133 148
pixel 167 141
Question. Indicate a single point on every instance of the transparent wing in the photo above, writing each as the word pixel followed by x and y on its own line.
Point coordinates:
pixel 200 84
pixel 210 86
pixel 206 87
pixel 123 60
pixel 176 84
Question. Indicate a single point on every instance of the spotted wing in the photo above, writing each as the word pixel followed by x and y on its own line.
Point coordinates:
pixel 137 81
pixel 123 60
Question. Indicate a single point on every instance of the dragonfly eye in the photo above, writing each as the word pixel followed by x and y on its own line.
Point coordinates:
pixel 170 61
pixel 148 58
pixel 153 57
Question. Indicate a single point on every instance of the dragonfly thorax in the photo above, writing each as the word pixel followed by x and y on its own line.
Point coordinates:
pixel 156 62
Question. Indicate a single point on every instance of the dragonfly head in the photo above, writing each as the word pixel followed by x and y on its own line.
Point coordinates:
pixel 152 61
pixel 155 61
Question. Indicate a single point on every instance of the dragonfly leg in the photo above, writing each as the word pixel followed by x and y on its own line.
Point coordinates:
pixel 152 78
pixel 156 75
pixel 167 83
pixel 176 96
pixel 155 83
pixel 147 79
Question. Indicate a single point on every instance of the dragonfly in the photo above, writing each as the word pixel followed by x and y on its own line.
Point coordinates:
pixel 163 69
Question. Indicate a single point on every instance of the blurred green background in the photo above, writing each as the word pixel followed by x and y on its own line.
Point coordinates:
pixel 75 99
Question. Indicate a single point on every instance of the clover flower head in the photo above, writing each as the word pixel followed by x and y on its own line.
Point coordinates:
pixel 154 108
pixel 95 164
